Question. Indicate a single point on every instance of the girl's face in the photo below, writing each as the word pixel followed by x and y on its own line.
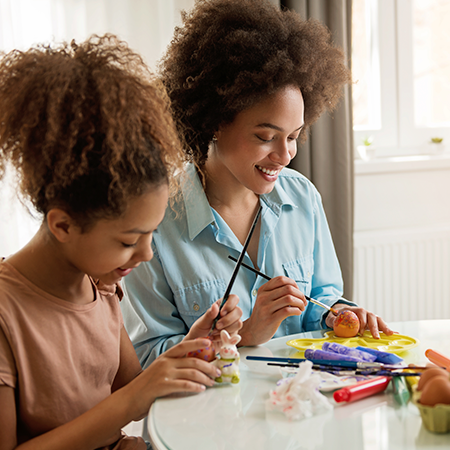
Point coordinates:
pixel 112 248
pixel 261 140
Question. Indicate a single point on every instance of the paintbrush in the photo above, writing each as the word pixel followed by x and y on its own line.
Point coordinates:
pixel 236 269
pixel 332 362
pixel 346 371
pixel 312 300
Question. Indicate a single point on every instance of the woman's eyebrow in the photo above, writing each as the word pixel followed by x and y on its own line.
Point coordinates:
pixel 274 127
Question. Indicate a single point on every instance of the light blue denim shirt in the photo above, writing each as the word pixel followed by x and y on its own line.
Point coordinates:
pixel 190 269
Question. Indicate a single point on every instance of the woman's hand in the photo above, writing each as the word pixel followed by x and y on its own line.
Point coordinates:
pixel 230 320
pixel 277 299
pixel 367 320
pixel 171 372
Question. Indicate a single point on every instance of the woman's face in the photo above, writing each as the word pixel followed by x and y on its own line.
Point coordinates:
pixel 252 150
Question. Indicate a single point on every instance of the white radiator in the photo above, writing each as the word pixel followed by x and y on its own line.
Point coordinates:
pixel 403 274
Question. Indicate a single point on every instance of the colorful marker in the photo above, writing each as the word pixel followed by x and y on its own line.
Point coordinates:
pixel 438 358
pixel 362 389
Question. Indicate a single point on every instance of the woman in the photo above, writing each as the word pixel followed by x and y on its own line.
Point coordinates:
pixel 246 82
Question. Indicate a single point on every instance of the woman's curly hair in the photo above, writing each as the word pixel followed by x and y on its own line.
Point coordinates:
pixel 86 126
pixel 230 54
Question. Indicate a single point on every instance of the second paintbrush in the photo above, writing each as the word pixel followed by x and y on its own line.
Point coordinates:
pixel 263 275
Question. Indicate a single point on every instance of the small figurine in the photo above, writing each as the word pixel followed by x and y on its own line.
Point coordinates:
pixel 228 360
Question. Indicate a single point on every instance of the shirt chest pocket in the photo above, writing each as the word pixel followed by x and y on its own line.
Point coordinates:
pixel 301 271
pixel 193 301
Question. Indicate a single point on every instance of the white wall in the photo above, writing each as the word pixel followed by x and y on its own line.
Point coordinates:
pixel 402 236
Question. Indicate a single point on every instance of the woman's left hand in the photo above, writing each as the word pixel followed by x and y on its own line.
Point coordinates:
pixel 367 320
pixel 230 320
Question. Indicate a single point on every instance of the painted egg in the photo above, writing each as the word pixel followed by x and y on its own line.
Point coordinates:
pixel 206 353
pixel 346 324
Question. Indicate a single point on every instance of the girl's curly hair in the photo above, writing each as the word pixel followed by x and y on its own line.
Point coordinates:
pixel 230 54
pixel 85 126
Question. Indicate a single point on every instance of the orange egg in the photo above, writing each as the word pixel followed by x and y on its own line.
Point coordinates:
pixel 346 324
pixel 437 390
pixel 429 374
pixel 207 353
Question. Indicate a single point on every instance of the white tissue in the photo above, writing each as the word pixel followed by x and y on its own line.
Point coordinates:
pixel 298 397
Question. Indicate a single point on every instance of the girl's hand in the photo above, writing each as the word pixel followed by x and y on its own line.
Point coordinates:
pixel 367 320
pixel 171 372
pixel 277 299
pixel 230 320
pixel 100 426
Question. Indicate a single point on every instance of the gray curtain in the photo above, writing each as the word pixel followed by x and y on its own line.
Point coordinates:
pixel 327 156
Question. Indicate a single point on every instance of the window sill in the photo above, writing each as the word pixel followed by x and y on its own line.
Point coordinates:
pixel 411 163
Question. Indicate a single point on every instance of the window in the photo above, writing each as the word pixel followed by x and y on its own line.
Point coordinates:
pixel 401 70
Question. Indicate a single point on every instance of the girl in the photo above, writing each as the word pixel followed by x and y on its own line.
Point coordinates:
pixel 91 137
pixel 246 81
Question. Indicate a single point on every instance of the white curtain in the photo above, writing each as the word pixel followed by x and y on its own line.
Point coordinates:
pixel 147 26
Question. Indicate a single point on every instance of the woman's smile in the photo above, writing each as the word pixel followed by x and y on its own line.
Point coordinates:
pixel 268 171
pixel 262 137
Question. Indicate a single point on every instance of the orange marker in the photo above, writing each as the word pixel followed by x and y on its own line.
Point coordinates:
pixel 438 358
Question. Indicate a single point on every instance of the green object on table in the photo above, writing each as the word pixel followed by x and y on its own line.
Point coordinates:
pixel 401 391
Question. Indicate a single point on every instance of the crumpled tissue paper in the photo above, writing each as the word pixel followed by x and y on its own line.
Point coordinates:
pixel 299 397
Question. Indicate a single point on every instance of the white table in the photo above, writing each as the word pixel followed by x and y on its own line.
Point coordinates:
pixel 233 417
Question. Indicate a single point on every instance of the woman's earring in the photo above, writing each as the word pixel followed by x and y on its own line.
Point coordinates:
pixel 214 138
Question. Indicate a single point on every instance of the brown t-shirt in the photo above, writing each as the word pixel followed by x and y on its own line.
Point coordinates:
pixel 61 358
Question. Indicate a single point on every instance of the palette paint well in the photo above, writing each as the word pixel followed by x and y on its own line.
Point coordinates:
pixel 396 343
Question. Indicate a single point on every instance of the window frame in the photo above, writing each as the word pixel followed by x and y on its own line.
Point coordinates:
pixel 398 134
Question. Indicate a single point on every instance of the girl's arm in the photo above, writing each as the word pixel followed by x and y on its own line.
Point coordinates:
pixel 129 367
pixel 8 422
pixel 169 373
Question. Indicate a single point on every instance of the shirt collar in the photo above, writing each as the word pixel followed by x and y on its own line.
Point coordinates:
pixel 278 198
pixel 109 290
pixel 198 211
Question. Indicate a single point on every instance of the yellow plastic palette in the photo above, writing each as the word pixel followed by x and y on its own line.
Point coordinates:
pixel 396 343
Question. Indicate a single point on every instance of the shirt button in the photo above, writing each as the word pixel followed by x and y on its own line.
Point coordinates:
pixel 196 307
pixel 254 292
pixel 308 274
